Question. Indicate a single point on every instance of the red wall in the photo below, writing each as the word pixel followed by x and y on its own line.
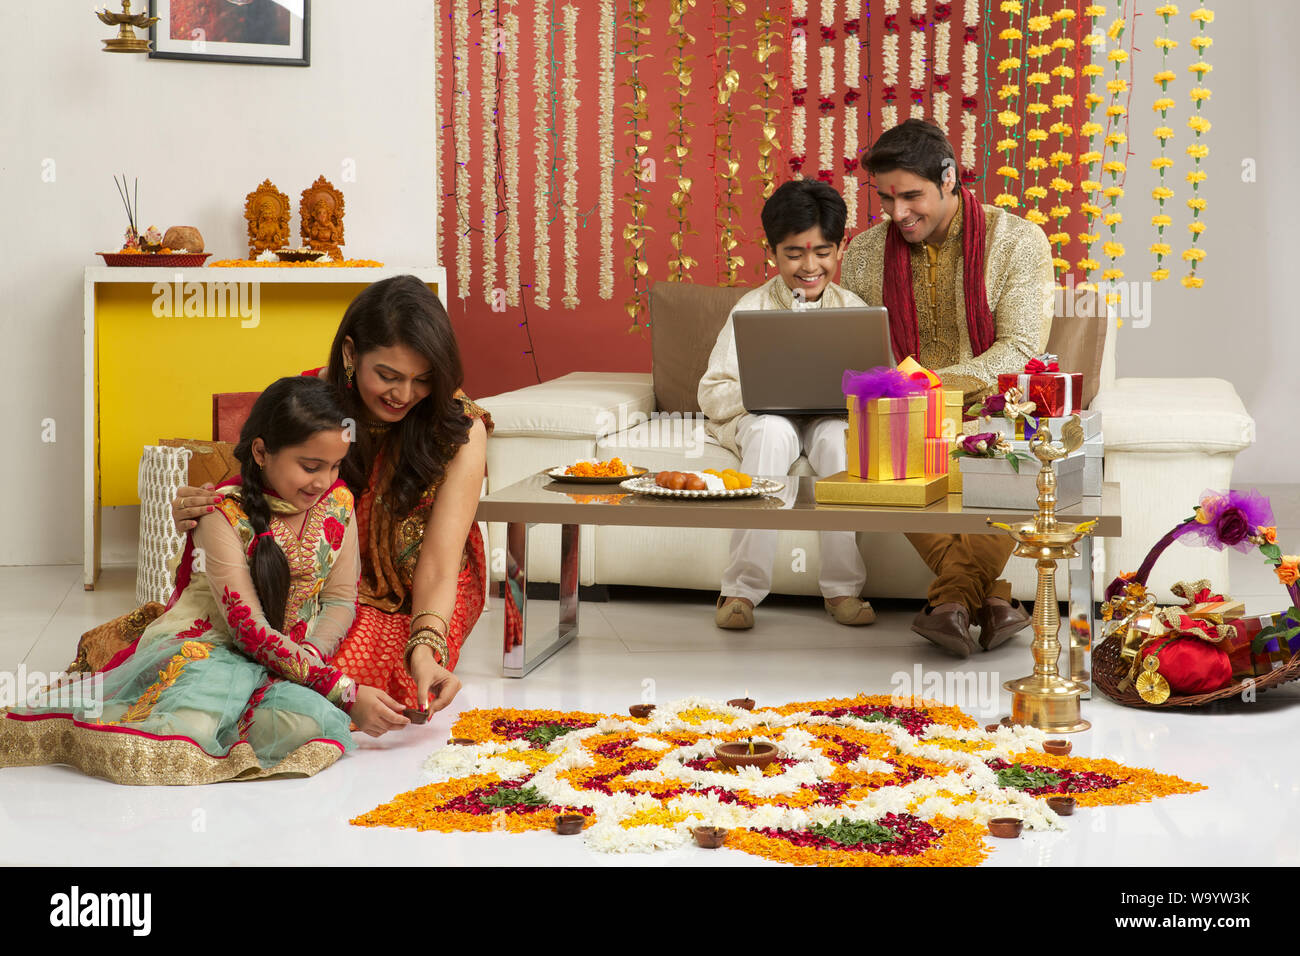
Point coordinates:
pixel 595 335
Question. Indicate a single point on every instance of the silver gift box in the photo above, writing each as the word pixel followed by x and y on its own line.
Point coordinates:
pixel 992 483
pixel 1091 422
pixel 1092 452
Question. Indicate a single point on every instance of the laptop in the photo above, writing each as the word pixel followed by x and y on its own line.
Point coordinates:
pixel 792 362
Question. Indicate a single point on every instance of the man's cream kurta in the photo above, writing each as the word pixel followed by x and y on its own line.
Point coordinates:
pixel 1018 280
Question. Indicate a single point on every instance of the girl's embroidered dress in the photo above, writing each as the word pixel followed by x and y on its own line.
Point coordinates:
pixel 211 692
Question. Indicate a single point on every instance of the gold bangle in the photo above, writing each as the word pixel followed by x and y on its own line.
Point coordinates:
pixel 416 617
pixel 431 639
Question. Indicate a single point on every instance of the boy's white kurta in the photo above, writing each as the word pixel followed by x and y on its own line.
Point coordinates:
pixel 719 391
pixel 769 445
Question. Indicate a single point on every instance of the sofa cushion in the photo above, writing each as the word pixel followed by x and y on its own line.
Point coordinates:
pixel 1078 338
pixel 577 405
pixel 1175 415
pixel 685 320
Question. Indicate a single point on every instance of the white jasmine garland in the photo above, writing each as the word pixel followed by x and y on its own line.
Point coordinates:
pixel 605 122
pixel 916 77
pixel 510 144
pixel 542 148
pixel 488 157
pixel 969 85
pixel 569 101
pixel 460 127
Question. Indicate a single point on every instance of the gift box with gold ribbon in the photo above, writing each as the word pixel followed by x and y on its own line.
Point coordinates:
pixel 845 489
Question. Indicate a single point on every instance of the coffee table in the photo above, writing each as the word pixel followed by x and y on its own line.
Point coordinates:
pixel 539 500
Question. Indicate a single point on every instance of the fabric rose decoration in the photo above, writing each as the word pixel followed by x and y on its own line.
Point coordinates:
pixel 334 533
pixel 1228 520
pixel 1288 570
pixel 981 444
pixel 995 404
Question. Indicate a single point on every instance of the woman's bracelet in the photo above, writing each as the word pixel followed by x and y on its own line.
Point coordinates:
pixel 431 639
pixel 415 617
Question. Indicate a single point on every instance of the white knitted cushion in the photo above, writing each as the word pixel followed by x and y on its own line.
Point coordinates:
pixel 162 472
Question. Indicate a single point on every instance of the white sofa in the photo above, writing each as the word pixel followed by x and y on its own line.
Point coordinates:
pixel 1166 441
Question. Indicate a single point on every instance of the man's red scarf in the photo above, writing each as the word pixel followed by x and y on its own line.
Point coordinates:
pixel 898 285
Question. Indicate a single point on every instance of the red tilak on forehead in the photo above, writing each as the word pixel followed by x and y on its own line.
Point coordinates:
pixel 893 190
pixel 808 246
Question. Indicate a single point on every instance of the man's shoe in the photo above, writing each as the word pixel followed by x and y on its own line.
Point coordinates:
pixel 948 626
pixel 735 614
pixel 853 612
pixel 1000 621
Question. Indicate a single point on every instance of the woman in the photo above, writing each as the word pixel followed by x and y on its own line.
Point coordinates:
pixel 418 461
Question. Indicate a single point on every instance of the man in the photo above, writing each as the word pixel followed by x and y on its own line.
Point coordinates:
pixel 969 293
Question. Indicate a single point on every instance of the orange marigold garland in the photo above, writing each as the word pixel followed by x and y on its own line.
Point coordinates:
pixel 1061 156
pixel 1162 105
pixel 1198 150
pixel 1091 157
pixel 1035 163
pixel 1116 140
pixel 861 781
pixel 1009 92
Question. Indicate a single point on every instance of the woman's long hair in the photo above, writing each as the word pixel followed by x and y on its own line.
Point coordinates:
pixel 403 311
pixel 288 413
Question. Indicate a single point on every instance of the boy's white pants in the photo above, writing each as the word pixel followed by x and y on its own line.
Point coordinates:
pixel 769 446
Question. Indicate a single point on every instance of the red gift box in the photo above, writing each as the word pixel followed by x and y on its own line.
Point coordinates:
pixel 1237 646
pixel 1055 394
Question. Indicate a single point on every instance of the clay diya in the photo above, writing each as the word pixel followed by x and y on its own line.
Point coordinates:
pixel 641 711
pixel 1059 747
pixel 415 716
pixel 739 754
pixel 567 824
pixel 1063 806
pixel 1007 828
pixel 462 742
pixel 991 728
pixel 744 703
pixel 710 838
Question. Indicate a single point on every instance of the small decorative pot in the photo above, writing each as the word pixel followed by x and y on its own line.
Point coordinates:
pixel 710 838
pixel 1063 806
pixel 567 824
pixel 641 711
pixel 1059 747
pixel 1007 828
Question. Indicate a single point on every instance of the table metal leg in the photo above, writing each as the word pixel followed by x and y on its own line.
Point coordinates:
pixel 1083 621
pixel 528 641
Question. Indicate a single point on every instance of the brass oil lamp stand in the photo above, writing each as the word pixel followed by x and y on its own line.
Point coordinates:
pixel 1045 699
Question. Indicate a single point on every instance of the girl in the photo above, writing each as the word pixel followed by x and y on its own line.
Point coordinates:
pixel 231 682
pixel 418 470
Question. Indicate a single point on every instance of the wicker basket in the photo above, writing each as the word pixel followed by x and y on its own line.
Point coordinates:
pixel 1109 667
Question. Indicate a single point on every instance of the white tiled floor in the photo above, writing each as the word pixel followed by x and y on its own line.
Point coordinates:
pixel 1244 753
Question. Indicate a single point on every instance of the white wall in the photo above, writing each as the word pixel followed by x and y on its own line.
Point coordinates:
pixel 1242 325
pixel 199 136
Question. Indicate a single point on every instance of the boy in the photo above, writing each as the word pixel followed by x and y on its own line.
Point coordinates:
pixel 804 224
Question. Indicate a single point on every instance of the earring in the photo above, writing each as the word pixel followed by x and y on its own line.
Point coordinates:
pixel 347 370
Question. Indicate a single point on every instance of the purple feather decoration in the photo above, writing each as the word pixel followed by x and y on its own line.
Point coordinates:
pixel 882 382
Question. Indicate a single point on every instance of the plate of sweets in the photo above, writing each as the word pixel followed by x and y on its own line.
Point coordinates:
pixel 709 483
pixel 595 472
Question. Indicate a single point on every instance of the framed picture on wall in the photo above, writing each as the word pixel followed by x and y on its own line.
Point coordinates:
pixel 231 31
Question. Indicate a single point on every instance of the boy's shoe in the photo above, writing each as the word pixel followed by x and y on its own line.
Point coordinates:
pixel 948 626
pixel 852 612
pixel 736 614
pixel 1000 621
